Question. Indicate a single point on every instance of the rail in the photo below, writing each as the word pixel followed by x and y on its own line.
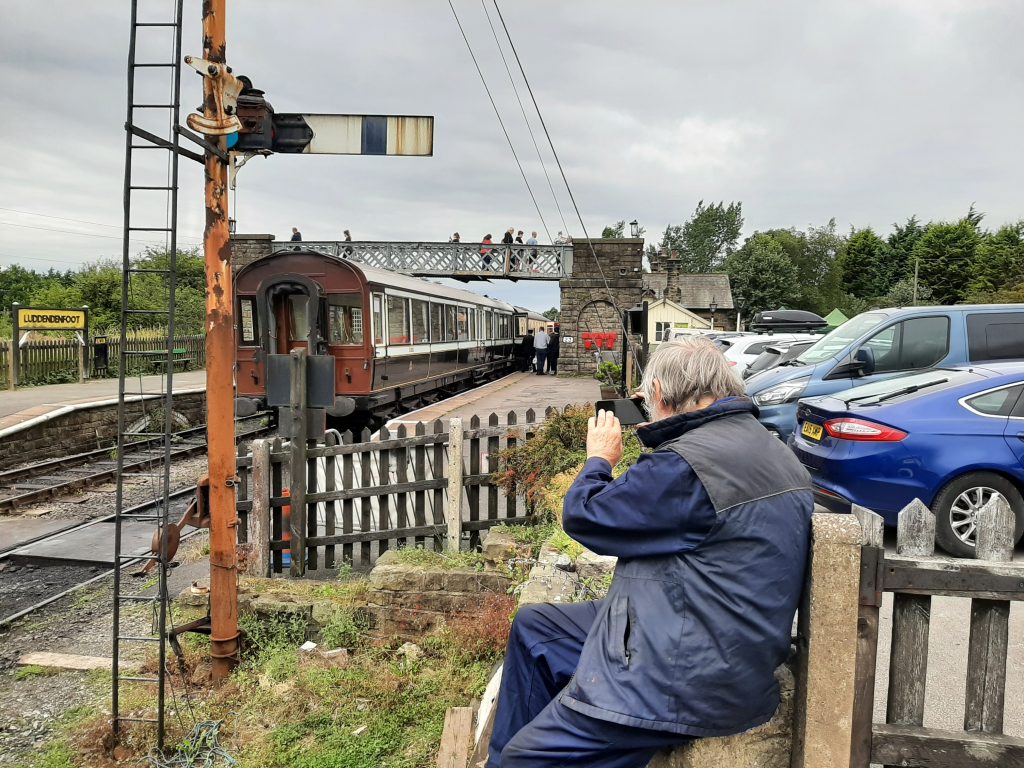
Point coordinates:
pixel 465 261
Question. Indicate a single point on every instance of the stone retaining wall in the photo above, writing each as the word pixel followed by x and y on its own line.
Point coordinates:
pixel 88 428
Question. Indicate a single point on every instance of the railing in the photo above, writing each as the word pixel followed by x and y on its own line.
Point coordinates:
pixel 914 576
pixel 363 496
pixel 518 262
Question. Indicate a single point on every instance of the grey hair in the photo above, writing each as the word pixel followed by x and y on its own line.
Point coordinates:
pixel 689 369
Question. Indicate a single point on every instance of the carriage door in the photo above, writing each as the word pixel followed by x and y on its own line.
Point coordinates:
pixel 295 320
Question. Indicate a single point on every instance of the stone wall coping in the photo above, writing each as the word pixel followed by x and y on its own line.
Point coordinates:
pixel 64 410
pixel 254 237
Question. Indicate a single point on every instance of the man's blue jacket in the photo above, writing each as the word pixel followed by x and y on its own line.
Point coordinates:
pixel 712 532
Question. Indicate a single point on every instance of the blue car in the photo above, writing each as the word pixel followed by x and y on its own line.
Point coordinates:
pixel 952 437
pixel 884 344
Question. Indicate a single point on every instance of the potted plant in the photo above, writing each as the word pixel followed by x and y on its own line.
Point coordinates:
pixel 610 375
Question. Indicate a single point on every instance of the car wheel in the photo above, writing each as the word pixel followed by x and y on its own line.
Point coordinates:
pixel 957 505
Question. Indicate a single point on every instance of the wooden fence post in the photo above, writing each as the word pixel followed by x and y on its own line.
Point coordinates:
pixel 297 474
pixel 872 557
pixel 12 350
pixel 259 516
pixel 453 516
pixel 911 619
pixel 986 656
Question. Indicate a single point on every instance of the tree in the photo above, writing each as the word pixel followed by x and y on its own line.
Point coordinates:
pixel 866 269
pixel 901 248
pixel 999 260
pixel 616 230
pixel 901 294
pixel 552 314
pixel 821 283
pixel 707 238
pixel 17 284
pixel 945 256
pixel 762 276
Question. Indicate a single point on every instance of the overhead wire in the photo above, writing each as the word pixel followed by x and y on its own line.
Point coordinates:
pixel 561 170
pixel 500 121
pixel 522 109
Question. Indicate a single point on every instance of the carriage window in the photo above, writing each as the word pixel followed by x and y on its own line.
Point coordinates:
pixel 420 322
pixel 472 323
pixel 398 320
pixel 298 307
pixel 247 328
pixel 461 314
pixel 436 322
pixel 450 321
pixel 378 319
pixel 345 319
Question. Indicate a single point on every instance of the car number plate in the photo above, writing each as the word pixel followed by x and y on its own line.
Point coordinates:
pixel 811 430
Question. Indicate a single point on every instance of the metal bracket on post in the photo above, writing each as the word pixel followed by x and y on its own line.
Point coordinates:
pixel 218 118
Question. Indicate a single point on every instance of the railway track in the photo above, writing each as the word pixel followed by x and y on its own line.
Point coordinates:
pixel 57 477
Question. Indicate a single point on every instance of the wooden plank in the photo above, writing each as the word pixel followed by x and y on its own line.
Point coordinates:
pixel 990 627
pixel 243 493
pixel 402 476
pixel 453 510
pixel 419 468
pixel 365 504
pixel 456 738
pixel 438 469
pixel 312 525
pixel 512 495
pixel 259 557
pixel 330 507
pixel 954 577
pixel 472 491
pixel 384 499
pixel 372 446
pixel 277 513
pixel 872 553
pixel 493 447
pixel 370 536
pixel 347 479
pixel 911 619
pixel 935 748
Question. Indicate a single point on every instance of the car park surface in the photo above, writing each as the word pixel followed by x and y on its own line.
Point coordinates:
pixel 953 438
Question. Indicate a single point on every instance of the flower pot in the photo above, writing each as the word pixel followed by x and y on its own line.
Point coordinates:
pixel 609 392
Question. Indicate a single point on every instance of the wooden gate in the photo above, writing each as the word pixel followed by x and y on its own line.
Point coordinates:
pixel 914 575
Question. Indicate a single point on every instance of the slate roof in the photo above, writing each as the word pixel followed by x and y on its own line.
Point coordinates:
pixel 692 291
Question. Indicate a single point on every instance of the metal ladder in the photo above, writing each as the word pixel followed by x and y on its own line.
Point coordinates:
pixel 137 141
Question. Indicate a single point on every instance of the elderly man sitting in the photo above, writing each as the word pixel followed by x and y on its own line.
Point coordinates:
pixel 711 530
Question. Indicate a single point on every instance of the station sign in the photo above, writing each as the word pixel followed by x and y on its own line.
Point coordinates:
pixel 35 319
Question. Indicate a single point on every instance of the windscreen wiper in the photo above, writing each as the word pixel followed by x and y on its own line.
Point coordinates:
pixel 897 393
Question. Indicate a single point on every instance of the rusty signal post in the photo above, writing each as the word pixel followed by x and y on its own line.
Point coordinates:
pixel 233 109
pixel 220 92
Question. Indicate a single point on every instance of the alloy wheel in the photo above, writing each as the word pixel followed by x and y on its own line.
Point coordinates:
pixel 963 513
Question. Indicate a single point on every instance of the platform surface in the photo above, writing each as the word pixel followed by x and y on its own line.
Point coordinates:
pixel 17 530
pixel 517 392
pixel 29 403
pixel 92 545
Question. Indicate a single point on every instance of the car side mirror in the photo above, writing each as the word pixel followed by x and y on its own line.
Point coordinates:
pixel 864 361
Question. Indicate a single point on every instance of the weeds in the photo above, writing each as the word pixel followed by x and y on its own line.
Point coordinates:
pixel 31 671
pixel 427 558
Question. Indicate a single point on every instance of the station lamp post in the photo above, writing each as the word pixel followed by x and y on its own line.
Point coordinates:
pixel 634 228
pixel 713 306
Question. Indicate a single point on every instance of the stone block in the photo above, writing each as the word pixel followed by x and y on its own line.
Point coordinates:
pixel 590 565
pixel 547 584
pixel 397 578
pixel 499 547
pixel 281 605
pixel 767 746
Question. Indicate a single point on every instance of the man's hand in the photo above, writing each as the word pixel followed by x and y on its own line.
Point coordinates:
pixel 604 437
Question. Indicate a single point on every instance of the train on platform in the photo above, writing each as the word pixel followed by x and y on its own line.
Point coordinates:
pixel 398 342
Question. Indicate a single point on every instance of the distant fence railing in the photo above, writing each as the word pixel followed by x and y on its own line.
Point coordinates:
pixel 914 575
pixel 359 497
pixel 51 360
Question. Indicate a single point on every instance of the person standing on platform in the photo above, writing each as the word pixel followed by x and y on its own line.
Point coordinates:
pixel 348 239
pixel 296 235
pixel 507 241
pixel 540 349
pixel 525 352
pixel 553 348
pixel 532 258
pixel 485 251
pixel 455 238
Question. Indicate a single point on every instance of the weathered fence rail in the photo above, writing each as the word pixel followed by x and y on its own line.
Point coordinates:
pixel 362 495
pixel 50 358
pixel 914 575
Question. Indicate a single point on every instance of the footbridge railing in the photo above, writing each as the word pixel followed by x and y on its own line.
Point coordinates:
pixel 465 261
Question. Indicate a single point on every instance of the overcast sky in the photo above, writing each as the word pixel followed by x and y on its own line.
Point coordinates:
pixel 863 110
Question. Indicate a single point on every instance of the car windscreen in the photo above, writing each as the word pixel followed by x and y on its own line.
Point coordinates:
pixel 904 388
pixel 839 339
pixel 766 359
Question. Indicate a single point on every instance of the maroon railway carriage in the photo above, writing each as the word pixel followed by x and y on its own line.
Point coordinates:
pixel 397 341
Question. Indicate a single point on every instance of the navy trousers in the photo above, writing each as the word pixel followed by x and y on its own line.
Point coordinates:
pixel 531 728
pixel 542 357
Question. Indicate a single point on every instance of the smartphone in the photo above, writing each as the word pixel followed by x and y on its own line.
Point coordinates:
pixel 627 410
